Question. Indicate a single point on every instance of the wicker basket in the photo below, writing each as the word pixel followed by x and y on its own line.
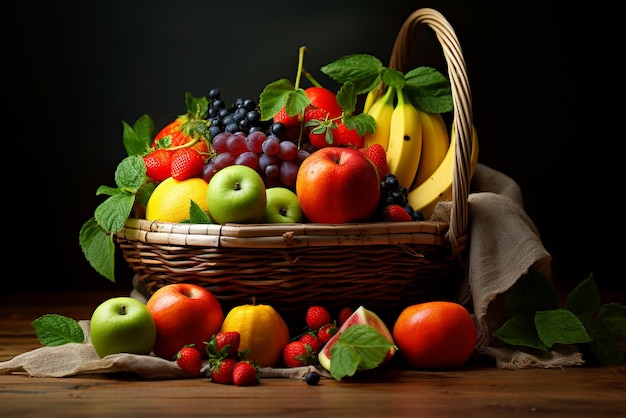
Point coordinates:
pixel 382 265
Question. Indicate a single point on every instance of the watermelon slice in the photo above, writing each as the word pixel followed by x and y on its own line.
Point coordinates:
pixel 360 316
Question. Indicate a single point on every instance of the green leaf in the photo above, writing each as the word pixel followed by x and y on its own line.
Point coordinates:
pixel 560 326
pixel 281 93
pixel 98 248
pixel 54 330
pixel 613 317
pixel 604 346
pixel 113 212
pixel 429 90
pixel 362 123
pixel 197 215
pixel 531 293
pixel 346 97
pixel 360 69
pixel 585 298
pixel 197 107
pixel 393 78
pixel 130 174
pixel 137 139
pixel 144 193
pixel 520 330
pixel 360 347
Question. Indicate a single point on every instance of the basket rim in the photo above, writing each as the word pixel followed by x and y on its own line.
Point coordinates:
pixel 284 235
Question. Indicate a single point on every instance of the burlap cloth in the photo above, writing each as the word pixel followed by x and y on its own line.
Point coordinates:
pixel 504 244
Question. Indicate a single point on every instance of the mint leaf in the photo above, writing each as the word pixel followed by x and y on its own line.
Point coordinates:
pixel 585 298
pixel 346 98
pixel 560 326
pixel 130 174
pixel 54 330
pixel 197 215
pixel 360 69
pixel 613 317
pixel 362 123
pixel 98 248
pixel 603 345
pixel 531 293
pixel 359 347
pixel 113 212
pixel 520 330
pixel 393 78
pixel 429 90
pixel 137 139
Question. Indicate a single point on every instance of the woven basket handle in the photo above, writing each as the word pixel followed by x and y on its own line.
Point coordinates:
pixel 462 114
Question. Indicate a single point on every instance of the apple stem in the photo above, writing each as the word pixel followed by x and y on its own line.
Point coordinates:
pixel 123 310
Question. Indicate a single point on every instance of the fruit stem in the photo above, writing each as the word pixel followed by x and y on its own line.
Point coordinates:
pixel 123 310
pixel 302 71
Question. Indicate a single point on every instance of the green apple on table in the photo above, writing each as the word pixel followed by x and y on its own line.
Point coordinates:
pixel 122 325
pixel 282 206
pixel 236 194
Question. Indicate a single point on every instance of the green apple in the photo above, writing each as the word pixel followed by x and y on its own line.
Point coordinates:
pixel 282 206
pixel 236 194
pixel 122 325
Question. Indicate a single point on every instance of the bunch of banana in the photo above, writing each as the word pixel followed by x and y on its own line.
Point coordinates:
pixel 420 152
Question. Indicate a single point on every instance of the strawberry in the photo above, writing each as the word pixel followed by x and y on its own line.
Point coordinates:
pixel 222 371
pixel 282 117
pixel 297 354
pixel 184 131
pixel 344 314
pixel 326 331
pixel 158 164
pixel 224 344
pixel 342 136
pixel 244 374
pixel 187 163
pixel 316 316
pixel 312 341
pixel 396 213
pixel 377 155
pixel 190 360
pixel 323 98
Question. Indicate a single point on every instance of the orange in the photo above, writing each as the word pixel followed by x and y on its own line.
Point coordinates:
pixel 264 333
pixel 171 199
pixel 434 335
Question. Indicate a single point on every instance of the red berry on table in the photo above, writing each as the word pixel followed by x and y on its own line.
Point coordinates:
pixel 316 316
pixel 228 342
pixel 158 164
pixel 244 374
pixel 396 213
pixel 190 360
pixel 222 371
pixel 326 331
pixel 187 163
pixel 297 354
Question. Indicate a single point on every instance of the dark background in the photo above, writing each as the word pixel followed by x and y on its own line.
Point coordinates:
pixel 543 80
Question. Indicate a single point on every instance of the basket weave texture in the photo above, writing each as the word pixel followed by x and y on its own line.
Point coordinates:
pixel 382 265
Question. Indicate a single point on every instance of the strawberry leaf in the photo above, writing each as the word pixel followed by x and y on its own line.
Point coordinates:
pixel 360 347
pixel 53 330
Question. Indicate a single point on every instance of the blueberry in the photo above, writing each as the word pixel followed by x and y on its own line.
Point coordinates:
pixel 312 378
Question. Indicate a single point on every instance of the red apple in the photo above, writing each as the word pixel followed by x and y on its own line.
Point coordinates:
pixel 184 313
pixel 338 185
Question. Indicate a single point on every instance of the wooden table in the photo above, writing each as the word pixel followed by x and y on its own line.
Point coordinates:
pixel 477 390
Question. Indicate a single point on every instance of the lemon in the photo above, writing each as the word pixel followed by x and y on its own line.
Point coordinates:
pixel 263 332
pixel 171 199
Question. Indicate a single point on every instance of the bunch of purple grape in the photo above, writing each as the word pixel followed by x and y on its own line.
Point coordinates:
pixel 276 160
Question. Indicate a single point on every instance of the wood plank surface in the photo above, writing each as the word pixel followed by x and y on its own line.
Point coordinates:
pixel 477 390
